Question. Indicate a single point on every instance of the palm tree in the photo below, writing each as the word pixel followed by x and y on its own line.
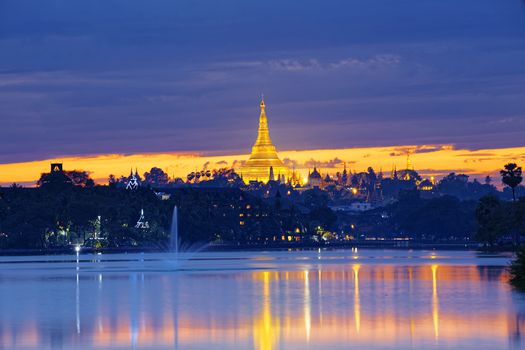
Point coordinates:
pixel 511 176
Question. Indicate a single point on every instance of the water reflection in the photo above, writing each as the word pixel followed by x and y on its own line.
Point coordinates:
pixel 77 301
pixel 357 306
pixel 435 302
pixel 307 304
pixel 265 326
pixel 337 305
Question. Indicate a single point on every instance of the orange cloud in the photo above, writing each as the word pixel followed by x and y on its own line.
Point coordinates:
pixel 434 160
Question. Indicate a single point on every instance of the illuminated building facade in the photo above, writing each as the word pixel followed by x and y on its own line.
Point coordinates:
pixel 314 179
pixel 133 180
pixel 142 223
pixel 263 159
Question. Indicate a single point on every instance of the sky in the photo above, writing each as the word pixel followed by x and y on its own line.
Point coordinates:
pixel 81 79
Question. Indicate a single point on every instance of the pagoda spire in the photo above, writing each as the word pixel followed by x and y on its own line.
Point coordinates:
pixel 263 134
pixel 263 155
pixel 142 223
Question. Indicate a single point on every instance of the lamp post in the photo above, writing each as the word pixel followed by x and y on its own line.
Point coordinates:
pixel 77 251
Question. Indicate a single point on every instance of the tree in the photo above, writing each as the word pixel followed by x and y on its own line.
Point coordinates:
pixel 315 198
pixel 80 178
pixel 58 179
pixel 156 177
pixel 511 176
pixel 454 184
pixel 112 181
pixel 322 216
pixel 492 220
pixel 519 216
pixel 517 270
pixel 55 180
pixel 443 218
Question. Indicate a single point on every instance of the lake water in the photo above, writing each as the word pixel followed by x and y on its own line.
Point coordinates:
pixel 366 299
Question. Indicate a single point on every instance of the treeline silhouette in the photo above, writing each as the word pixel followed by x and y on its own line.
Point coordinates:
pixel 67 208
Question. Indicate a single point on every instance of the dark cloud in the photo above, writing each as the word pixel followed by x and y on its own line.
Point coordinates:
pixel 333 163
pixel 404 151
pixel 291 163
pixel 238 163
pixel 478 160
pixel 440 171
pixel 477 154
pixel 309 164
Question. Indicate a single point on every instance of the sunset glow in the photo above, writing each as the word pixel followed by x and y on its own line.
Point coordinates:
pixel 428 160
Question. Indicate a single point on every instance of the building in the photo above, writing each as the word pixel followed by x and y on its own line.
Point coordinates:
pixel 264 161
pixel 56 177
pixel 361 206
pixel 57 167
pixel 142 223
pixel 315 179
pixel 425 185
pixel 353 207
pixel 328 181
pixel 133 181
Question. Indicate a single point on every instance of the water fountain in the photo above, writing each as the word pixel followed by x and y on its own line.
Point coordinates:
pixel 174 234
pixel 182 252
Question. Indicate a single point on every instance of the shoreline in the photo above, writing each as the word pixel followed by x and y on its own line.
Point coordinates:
pixel 249 247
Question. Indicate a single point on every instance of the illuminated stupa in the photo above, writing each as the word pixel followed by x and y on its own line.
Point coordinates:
pixel 263 156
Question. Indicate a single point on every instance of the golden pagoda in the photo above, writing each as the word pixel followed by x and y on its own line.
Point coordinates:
pixel 263 161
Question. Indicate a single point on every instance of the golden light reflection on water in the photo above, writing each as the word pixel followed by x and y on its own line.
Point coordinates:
pixel 265 327
pixel 357 305
pixel 350 304
pixel 307 303
pixel 435 302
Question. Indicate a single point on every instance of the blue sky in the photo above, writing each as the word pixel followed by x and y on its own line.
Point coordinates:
pixel 87 77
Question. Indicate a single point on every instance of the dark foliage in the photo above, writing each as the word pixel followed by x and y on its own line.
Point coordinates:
pixel 517 270
pixel 457 185
pixel 55 217
pixel 436 219
pixel 500 222
pixel 47 217
pixel 511 176
pixel 60 179
pixel 156 177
